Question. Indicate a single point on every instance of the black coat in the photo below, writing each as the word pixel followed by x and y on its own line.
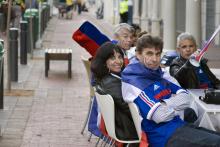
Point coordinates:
pixel 185 73
pixel 124 125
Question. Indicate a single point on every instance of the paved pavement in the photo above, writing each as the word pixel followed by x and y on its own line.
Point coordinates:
pixel 49 112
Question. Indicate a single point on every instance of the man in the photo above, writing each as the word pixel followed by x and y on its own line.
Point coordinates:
pixel 123 35
pixel 160 100
pixel 188 75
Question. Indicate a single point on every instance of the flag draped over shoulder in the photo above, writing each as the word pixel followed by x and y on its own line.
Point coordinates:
pixel 89 37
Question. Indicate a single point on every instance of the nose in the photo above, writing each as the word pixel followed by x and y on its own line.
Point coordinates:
pixel 154 57
pixel 129 39
pixel 188 48
pixel 118 60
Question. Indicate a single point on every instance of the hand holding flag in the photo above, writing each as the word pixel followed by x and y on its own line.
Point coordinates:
pixel 196 58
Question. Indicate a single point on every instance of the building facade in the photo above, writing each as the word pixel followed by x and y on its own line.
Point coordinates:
pixel 168 18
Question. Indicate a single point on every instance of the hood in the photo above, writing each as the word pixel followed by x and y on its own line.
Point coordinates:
pixel 139 75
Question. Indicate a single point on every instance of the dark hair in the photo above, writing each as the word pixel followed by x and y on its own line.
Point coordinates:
pixel 98 64
pixel 136 28
pixel 148 41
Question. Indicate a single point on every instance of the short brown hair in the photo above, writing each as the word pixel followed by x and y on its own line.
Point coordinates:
pixel 148 41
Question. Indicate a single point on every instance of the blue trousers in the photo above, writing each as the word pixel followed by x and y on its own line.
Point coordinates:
pixel 192 136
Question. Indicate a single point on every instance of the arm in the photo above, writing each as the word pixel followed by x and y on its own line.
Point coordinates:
pixel 214 80
pixel 113 87
pixel 165 109
pixel 170 107
pixel 152 109
pixel 178 71
pixel 184 74
pixel 149 107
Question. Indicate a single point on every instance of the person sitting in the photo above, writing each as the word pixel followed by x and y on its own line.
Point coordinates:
pixel 123 37
pixel 187 75
pixel 106 67
pixel 136 32
pixel 159 100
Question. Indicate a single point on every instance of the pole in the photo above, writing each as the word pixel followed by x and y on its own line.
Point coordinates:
pixel 23 42
pixel 7 51
pixel 13 48
pixel 1 74
pixel 39 41
pixel 31 29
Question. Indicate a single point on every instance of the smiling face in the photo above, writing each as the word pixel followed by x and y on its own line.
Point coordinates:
pixel 115 63
pixel 150 57
pixel 186 48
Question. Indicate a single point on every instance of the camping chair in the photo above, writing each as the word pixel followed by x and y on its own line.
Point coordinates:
pixel 107 109
pixel 87 63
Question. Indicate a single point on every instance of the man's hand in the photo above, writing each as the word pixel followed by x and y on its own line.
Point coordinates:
pixel 192 58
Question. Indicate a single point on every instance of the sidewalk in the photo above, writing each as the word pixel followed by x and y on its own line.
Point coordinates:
pixel 52 112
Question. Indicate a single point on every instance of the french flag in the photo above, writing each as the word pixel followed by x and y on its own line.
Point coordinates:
pixel 89 37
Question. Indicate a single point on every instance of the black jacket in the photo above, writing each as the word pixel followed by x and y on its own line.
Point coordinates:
pixel 124 125
pixel 185 73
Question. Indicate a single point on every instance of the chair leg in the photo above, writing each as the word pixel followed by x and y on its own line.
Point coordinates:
pixel 90 136
pixel 87 116
pixel 108 140
pixel 103 140
pixel 96 145
pixel 47 64
pixel 111 142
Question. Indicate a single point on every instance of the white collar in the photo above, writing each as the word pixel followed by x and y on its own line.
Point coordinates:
pixel 116 76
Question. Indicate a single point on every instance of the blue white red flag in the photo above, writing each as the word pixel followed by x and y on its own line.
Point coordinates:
pixel 89 37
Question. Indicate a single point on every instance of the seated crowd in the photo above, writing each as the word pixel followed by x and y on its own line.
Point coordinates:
pixel 161 96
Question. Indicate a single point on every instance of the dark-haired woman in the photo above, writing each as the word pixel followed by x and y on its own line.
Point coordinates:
pixel 106 67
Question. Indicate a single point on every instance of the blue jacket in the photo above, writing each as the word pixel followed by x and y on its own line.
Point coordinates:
pixel 147 88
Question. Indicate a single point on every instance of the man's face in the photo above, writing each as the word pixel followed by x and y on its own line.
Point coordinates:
pixel 124 39
pixel 186 48
pixel 150 57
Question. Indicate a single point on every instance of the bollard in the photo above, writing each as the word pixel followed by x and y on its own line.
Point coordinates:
pixel 23 42
pixel 1 74
pixel 28 43
pixel 13 57
pixel 2 22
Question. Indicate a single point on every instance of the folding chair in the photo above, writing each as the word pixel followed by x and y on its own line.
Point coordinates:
pixel 107 109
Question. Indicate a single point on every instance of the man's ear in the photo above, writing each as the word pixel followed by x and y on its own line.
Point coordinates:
pixel 138 55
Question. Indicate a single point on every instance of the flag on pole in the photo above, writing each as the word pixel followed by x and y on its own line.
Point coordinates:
pixel 205 48
pixel 89 37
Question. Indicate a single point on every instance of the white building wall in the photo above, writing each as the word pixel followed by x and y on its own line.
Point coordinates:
pixel 217 20
pixel 109 11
